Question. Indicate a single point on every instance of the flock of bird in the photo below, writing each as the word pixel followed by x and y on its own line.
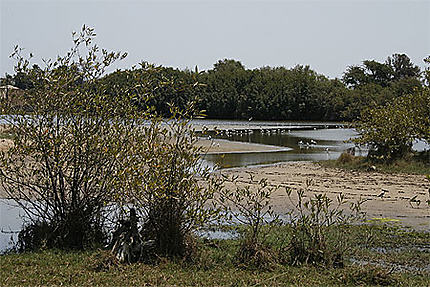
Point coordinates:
pixel 306 145
pixel 302 145
pixel 240 132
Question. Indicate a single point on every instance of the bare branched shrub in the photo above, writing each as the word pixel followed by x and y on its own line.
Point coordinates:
pixel 250 206
pixel 319 228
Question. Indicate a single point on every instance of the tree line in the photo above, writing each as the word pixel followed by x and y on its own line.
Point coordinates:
pixel 230 91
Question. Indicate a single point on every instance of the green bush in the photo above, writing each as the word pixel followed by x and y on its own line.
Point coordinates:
pixel 390 131
pixel 165 181
pixel 67 138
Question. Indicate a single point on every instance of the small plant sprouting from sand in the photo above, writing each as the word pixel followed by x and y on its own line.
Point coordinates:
pixel 318 228
pixel 250 205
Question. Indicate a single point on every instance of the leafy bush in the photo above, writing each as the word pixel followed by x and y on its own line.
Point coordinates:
pixel 165 181
pixel 67 138
pixel 390 131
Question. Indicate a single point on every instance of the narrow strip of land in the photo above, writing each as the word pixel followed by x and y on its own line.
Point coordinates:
pixel 218 146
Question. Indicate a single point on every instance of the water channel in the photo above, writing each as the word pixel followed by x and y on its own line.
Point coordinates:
pixel 305 145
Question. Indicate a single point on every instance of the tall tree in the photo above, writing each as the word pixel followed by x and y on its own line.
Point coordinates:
pixel 379 73
pixel 402 67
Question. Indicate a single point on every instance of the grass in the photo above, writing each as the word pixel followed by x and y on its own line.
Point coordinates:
pixel 216 266
pixel 416 164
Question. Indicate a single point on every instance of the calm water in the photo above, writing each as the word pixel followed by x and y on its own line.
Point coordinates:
pixel 306 145
pixel 10 223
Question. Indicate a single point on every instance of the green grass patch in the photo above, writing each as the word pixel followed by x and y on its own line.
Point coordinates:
pixel 394 256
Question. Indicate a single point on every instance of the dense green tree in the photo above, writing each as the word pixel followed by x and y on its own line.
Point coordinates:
pixel 378 73
pixel 355 76
pixel 402 67
pixel 374 83
pixel 390 130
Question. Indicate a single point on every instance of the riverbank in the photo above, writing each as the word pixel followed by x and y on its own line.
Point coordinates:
pixel 399 198
pixel 396 198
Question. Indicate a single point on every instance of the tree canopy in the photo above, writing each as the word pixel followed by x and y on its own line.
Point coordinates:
pixel 231 91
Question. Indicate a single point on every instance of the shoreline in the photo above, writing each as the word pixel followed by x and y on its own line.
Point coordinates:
pixel 394 206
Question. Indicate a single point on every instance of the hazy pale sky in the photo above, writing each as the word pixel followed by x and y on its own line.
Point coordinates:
pixel 327 35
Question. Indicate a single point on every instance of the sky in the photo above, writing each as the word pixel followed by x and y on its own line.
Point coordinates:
pixel 327 35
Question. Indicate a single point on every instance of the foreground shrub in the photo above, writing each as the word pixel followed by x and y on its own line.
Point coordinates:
pixel 81 142
pixel 250 206
pixel 67 139
pixel 319 229
pixel 168 185
pixel 72 233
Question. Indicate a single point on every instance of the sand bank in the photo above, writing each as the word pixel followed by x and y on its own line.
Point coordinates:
pixel 216 146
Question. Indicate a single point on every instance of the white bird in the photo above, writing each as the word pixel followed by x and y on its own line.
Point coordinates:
pixel 301 145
